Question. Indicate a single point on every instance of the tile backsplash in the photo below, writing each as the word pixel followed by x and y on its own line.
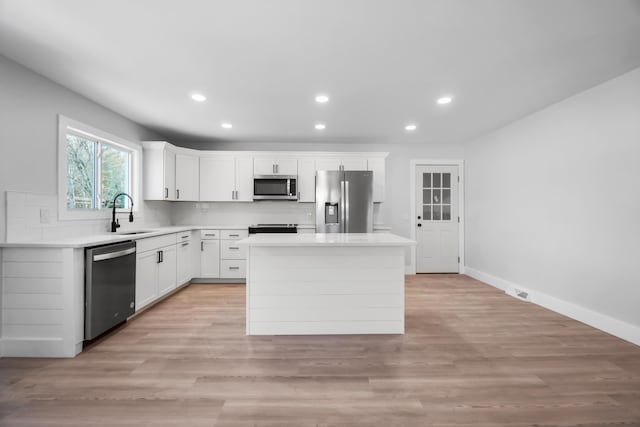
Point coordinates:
pixel 34 217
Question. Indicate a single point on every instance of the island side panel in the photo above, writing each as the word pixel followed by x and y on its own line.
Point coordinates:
pixel 325 290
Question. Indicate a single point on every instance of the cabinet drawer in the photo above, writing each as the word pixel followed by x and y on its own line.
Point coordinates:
pixel 151 243
pixel 229 249
pixel 234 234
pixel 183 236
pixel 209 234
pixel 233 269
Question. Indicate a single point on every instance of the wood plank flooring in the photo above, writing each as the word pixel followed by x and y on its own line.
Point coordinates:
pixel 471 355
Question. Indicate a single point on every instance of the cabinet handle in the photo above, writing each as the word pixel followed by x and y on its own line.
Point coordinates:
pixel 235 248
pixel 273 168
pixel 184 237
pixel 177 193
pixel 234 235
pixel 185 244
pixel 210 235
pixel 201 246
pixel 159 257
pixel 234 268
pixel 166 192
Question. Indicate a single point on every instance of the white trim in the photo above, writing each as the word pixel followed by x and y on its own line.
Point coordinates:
pixel 414 163
pixel 618 328
pixel 65 124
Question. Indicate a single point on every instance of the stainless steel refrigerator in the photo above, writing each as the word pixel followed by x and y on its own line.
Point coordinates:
pixel 344 202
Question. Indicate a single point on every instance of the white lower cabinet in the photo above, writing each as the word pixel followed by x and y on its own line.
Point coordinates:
pixel 155 268
pixel 167 270
pixel 184 262
pixel 209 254
pixel 233 257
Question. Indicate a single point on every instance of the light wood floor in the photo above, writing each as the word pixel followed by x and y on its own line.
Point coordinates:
pixel 471 356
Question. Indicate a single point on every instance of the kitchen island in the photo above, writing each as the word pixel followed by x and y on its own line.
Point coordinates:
pixel 304 284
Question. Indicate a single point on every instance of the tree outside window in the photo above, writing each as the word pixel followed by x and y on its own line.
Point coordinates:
pixel 96 172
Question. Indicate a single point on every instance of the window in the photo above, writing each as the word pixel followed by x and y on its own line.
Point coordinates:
pixel 94 167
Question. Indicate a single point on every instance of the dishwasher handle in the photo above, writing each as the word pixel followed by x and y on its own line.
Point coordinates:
pixel 112 255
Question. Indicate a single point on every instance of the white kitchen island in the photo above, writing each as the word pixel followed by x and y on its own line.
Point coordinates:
pixel 304 284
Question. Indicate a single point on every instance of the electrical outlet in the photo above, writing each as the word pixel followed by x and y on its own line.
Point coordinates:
pixel 45 217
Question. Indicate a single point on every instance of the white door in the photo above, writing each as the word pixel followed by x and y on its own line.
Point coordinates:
pixel 264 166
pixel 167 270
pixel 286 166
pixel 169 175
pixel 244 179
pixel 217 179
pixel 146 278
pixel 306 180
pixel 184 263
pixel 437 219
pixel 210 258
pixel 187 178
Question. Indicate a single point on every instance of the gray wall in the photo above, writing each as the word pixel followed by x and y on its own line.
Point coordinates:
pixel 29 108
pixel 395 210
pixel 552 202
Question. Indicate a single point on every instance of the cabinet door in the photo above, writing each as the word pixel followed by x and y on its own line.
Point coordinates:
pixel 354 164
pixel 146 278
pixel 217 179
pixel 306 180
pixel 167 270
pixel 210 258
pixel 183 262
pixel 377 166
pixel 263 166
pixel 244 179
pixel 169 175
pixel 187 178
pixel 286 166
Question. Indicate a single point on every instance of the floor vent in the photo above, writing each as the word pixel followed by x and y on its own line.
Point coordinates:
pixel 519 293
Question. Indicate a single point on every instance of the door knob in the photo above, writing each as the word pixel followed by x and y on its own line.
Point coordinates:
pixel 419 225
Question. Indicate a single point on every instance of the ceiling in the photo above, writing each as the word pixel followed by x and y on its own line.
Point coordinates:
pixel 383 63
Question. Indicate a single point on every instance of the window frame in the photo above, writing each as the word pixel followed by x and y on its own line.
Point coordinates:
pixel 66 126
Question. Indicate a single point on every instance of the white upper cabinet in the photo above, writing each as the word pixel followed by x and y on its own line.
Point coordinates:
pixel 346 163
pixel 275 166
pixel 159 181
pixel 226 178
pixel 187 177
pixel 306 180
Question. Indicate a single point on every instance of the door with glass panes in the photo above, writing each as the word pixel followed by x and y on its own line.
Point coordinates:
pixel 437 219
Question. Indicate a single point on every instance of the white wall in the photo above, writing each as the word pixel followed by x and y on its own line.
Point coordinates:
pixel 553 206
pixel 394 212
pixel 29 108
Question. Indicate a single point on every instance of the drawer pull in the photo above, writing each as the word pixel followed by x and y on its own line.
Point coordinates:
pixel 234 235
pixel 185 244
pixel 210 235
pixel 184 237
pixel 234 268
pixel 235 248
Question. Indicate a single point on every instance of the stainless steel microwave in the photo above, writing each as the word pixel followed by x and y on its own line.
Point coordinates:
pixel 275 187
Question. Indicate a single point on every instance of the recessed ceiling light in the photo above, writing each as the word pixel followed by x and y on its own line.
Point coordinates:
pixel 322 99
pixel 411 127
pixel 198 97
pixel 444 100
pixel 226 125
pixel 320 126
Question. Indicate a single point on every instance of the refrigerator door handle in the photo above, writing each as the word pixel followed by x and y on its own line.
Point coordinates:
pixel 342 208
pixel 346 206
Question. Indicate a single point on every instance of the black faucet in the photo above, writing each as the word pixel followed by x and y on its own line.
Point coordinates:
pixel 114 222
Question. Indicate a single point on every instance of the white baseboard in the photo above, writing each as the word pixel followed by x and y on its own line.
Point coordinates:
pixel 618 328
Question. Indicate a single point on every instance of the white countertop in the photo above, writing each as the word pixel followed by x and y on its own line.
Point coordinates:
pixel 105 238
pixel 327 239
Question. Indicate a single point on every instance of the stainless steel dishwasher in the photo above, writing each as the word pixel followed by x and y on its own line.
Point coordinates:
pixel 110 286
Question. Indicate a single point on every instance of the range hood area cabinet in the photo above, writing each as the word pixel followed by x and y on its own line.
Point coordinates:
pixel 182 174
pixel 263 166
pixel 170 174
